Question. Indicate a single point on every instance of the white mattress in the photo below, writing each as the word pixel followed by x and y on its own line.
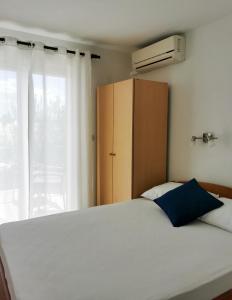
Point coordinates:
pixel 126 251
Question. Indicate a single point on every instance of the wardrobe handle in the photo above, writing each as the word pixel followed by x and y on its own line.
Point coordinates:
pixel 113 154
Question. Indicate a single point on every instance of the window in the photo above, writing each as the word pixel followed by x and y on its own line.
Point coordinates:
pixel 9 166
pixel 48 165
pixel 44 132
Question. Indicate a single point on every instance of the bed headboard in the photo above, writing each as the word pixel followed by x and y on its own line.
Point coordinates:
pixel 221 190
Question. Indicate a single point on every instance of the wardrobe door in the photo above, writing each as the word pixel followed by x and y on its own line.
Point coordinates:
pixel 122 147
pixel 150 135
pixel 104 144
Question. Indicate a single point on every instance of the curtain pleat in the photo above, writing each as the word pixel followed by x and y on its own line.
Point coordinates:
pixel 46 157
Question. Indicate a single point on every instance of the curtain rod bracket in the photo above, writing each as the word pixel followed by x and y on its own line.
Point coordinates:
pixel 32 44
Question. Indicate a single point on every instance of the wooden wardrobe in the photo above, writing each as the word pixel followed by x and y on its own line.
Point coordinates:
pixel 131 138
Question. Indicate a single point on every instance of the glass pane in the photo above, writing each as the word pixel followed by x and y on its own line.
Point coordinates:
pixel 9 168
pixel 47 159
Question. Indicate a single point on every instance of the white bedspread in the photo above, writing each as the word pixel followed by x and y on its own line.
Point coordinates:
pixel 126 251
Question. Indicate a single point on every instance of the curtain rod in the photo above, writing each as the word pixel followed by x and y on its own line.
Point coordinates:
pixel 29 44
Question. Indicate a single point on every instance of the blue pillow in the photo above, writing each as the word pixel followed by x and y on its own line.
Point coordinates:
pixel 186 203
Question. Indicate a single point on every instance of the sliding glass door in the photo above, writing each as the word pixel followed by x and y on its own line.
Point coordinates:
pixel 14 181
pixel 44 132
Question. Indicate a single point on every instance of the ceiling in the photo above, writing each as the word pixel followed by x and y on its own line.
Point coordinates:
pixel 119 22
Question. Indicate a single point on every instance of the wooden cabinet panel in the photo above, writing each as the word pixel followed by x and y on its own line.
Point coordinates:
pixel 104 144
pixel 132 126
pixel 150 135
pixel 122 161
pixel 225 296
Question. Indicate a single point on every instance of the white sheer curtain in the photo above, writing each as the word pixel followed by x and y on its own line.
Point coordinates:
pixel 14 66
pixel 45 132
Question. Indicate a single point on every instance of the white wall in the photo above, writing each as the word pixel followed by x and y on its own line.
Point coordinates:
pixel 201 100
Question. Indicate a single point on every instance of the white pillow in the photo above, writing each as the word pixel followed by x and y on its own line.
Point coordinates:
pixel 160 190
pixel 220 217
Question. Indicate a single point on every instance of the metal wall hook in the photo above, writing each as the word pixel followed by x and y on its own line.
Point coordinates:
pixel 206 137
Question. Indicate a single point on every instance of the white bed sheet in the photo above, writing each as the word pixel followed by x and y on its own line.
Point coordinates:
pixel 125 251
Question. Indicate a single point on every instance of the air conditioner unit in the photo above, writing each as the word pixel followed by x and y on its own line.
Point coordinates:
pixel 168 51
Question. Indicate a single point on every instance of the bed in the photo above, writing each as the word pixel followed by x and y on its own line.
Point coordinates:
pixel 124 251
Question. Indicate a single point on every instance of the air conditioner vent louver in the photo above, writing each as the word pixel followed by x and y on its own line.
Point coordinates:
pixel 160 60
pixel 168 51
